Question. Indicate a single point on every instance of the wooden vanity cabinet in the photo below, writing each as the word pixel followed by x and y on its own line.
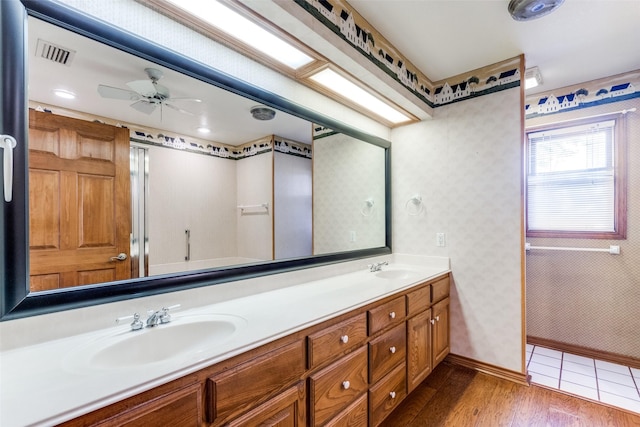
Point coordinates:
pixel 177 404
pixel 240 388
pixel 285 410
pixel 440 337
pixel 427 330
pixel 349 371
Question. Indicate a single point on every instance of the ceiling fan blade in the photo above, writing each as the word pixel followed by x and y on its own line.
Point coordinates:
pixel 173 107
pixel 144 106
pixel 117 93
pixel 145 88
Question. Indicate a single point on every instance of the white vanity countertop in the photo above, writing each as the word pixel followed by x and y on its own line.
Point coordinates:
pixel 42 384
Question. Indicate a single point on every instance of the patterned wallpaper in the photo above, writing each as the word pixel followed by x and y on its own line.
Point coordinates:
pixel 466 165
pixel 583 298
pixel 365 42
pixel 346 173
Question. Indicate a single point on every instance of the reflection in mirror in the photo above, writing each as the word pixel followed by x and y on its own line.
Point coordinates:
pixel 124 184
pixel 348 193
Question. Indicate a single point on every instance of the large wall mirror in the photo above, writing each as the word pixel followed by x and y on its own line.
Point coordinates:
pixel 118 194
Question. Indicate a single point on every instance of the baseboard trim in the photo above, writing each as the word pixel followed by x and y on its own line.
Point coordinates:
pixel 585 351
pixel 496 371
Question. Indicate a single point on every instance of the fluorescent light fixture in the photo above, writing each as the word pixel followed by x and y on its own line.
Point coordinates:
pixel 346 88
pixel 64 94
pixel 245 30
pixel 532 77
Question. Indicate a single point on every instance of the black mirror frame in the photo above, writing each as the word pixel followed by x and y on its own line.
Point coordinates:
pixel 15 299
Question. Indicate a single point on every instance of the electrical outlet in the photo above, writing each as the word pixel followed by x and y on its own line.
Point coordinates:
pixel 440 239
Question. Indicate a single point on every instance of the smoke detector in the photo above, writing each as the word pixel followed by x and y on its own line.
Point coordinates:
pixel 260 112
pixel 526 10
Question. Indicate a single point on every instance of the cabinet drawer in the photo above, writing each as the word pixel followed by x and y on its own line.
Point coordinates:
pixel 354 416
pixel 338 385
pixel 335 340
pixel 387 351
pixel 440 289
pixel 386 314
pixel 418 300
pixel 286 409
pixel 253 382
pixel 386 395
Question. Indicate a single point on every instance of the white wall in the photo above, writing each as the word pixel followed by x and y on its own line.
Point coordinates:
pixel 466 164
pixel 255 226
pixel 195 192
pixel 292 206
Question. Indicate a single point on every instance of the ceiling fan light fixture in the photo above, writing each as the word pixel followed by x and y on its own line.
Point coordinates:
pixel 526 10
pixel 260 112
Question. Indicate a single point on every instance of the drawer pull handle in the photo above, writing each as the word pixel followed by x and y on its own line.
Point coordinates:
pixel 392 394
pixel 346 385
pixel 392 349
pixel 392 315
pixel 344 339
pixel 433 321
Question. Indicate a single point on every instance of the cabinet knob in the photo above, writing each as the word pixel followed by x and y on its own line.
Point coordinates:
pixel 346 385
pixel 392 315
pixel 433 321
pixel 392 394
pixel 392 349
pixel 437 318
pixel 344 339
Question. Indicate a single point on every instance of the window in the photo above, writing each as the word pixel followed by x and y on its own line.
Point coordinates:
pixel 576 180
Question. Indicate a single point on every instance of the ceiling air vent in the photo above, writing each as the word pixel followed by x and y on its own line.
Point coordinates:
pixel 55 53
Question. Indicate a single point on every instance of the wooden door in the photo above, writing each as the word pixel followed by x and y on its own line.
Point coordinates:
pixel 440 331
pixel 79 202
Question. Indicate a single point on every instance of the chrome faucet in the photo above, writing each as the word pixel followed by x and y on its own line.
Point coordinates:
pixel 161 316
pixel 377 266
pixel 154 318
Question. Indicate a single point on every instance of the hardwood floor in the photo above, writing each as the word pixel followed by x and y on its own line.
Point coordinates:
pixel 457 396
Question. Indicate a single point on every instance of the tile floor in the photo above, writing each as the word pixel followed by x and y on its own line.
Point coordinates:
pixel 613 384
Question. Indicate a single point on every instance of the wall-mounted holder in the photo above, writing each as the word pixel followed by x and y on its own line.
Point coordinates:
pixel 613 249
pixel 368 208
pixel 414 205
pixel 262 208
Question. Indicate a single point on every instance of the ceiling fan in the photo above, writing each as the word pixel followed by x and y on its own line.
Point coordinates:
pixel 148 94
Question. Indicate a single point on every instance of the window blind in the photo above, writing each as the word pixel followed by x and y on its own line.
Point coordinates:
pixel 571 179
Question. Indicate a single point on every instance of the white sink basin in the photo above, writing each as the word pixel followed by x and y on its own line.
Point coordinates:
pixel 393 274
pixel 183 336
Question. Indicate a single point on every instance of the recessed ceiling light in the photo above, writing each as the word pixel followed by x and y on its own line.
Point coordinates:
pixel 62 93
pixel 246 31
pixel 204 129
pixel 346 88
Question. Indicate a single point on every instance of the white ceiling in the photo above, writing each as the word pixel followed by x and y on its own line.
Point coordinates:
pixel 228 115
pixel 580 41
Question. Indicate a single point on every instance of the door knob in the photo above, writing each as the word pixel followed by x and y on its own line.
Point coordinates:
pixel 121 257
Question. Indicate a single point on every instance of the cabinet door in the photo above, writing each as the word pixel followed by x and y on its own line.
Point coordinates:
pixel 284 410
pixel 418 349
pixel 181 408
pixel 440 331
